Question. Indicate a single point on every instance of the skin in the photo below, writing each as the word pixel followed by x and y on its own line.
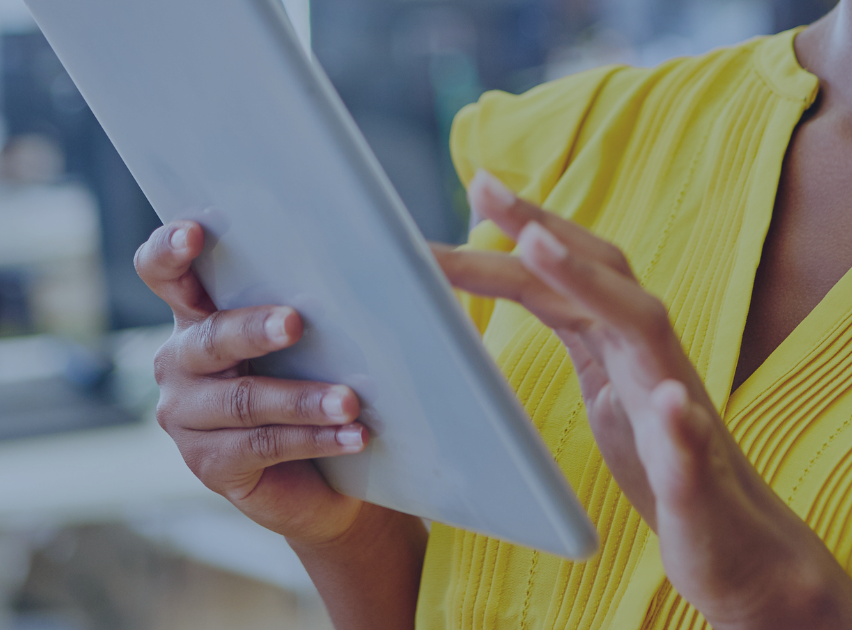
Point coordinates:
pixel 807 251
pixel 251 440
pixel 730 546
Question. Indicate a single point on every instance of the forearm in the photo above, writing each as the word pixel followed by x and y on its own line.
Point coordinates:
pixel 369 578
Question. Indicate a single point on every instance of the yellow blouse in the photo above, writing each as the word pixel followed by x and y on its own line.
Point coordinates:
pixel 678 165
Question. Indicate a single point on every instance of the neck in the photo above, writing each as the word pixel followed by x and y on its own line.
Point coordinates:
pixel 825 49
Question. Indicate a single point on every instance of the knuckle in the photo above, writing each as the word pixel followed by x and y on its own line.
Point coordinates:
pixel 655 317
pixel 165 412
pixel 266 443
pixel 303 403
pixel 207 335
pixel 142 257
pixel 314 441
pixel 163 362
pixel 523 211
pixel 617 260
pixel 252 327
pixel 208 463
pixel 271 444
pixel 242 402
pixel 528 294
pixel 582 270
pixel 317 439
pixel 195 459
pixel 692 434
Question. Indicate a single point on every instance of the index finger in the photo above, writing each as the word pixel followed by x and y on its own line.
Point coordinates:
pixel 620 303
pixel 494 275
pixel 164 264
pixel 493 200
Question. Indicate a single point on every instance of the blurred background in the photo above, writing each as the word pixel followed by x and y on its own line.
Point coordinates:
pixel 101 525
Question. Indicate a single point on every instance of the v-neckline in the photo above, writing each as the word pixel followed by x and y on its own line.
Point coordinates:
pixel 817 328
pixel 780 68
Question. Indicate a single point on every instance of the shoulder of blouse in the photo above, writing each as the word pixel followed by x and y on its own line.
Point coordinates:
pixel 528 140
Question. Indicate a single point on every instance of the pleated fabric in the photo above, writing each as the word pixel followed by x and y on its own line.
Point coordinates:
pixel 678 165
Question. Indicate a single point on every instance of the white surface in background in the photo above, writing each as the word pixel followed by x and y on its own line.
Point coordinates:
pixel 223 537
pixel 129 474
pixel 91 476
pixel 30 359
pixel 70 212
pixel 137 475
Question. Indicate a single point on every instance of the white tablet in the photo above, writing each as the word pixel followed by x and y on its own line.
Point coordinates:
pixel 222 118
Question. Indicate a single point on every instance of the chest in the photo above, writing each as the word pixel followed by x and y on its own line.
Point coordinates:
pixel 808 248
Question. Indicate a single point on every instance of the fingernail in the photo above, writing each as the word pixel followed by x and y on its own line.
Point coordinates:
pixel 276 326
pixel 178 240
pixel 351 437
pixel 543 238
pixel 332 403
pixel 495 191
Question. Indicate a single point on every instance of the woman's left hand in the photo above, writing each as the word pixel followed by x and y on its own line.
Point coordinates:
pixel 730 546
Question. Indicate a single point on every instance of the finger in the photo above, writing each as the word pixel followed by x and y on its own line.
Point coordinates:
pixel 619 301
pixel 164 264
pixel 226 338
pixel 493 200
pixel 618 306
pixel 254 401
pixel 224 459
pixel 485 273
pixel 616 441
pixel 674 444
pixel 504 276
pixel 611 427
pixel 587 360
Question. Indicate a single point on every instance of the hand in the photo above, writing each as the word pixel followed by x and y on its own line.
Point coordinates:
pixel 730 546
pixel 249 438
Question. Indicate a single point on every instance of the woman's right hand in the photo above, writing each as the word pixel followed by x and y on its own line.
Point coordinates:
pixel 248 438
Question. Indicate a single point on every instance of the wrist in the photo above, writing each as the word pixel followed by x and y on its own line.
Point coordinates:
pixel 369 576
pixel 368 530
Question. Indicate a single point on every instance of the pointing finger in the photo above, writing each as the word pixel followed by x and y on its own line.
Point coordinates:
pixel 504 276
pixel 493 200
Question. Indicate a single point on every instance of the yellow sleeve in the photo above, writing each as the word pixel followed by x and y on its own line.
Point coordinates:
pixel 527 142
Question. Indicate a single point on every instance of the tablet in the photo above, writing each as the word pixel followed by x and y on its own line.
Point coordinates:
pixel 224 119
